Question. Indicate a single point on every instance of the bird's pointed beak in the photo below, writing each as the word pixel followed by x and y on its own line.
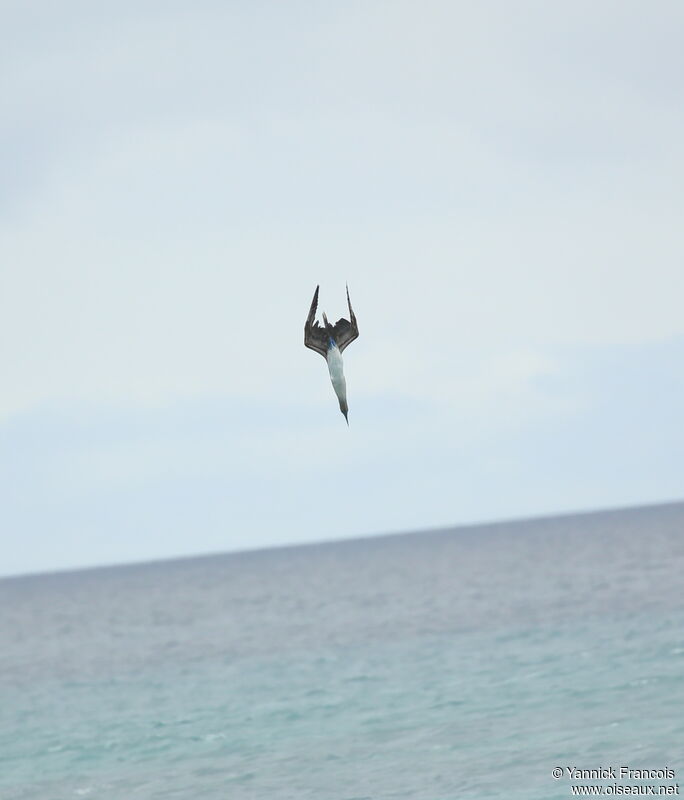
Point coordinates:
pixel 346 417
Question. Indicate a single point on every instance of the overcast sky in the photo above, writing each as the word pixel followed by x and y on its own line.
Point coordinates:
pixel 501 184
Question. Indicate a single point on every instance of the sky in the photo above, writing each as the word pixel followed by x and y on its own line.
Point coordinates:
pixel 501 184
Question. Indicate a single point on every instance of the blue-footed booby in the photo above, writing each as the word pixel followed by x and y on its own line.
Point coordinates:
pixel 330 341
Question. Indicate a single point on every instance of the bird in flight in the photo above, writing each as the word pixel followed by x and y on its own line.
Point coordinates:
pixel 330 341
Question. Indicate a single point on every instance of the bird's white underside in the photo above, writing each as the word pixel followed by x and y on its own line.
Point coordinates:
pixel 336 369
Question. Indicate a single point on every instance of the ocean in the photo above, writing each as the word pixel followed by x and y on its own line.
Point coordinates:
pixel 462 663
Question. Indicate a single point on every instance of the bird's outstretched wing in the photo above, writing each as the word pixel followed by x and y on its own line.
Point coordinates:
pixel 315 336
pixel 344 331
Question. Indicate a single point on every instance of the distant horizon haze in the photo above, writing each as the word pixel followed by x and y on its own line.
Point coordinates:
pixel 455 529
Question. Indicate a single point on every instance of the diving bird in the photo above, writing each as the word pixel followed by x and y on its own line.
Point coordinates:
pixel 330 341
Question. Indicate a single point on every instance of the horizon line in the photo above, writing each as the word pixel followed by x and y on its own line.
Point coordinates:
pixel 461 526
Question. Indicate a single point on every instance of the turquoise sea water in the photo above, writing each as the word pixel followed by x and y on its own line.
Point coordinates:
pixel 454 664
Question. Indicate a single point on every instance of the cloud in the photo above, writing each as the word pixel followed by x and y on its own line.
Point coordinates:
pixel 586 428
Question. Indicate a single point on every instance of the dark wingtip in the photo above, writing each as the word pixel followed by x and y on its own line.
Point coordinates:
pixel 313 307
